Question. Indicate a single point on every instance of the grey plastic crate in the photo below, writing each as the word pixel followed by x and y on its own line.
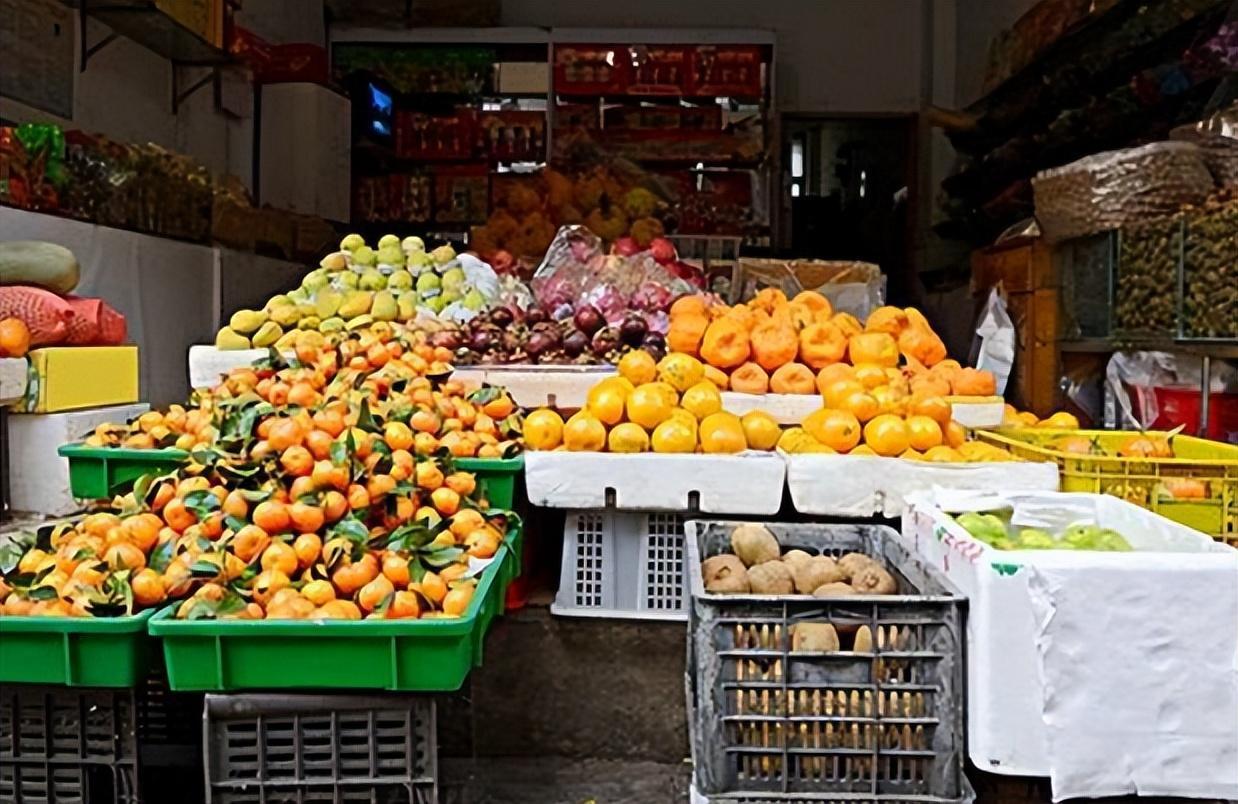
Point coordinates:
pixel 626 565
pixel 62 745
pixel 305 749
pixel 770 724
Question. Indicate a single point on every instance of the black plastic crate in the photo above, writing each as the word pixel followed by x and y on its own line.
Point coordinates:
pixel 305 749
pixel 63 745
pixel 772 724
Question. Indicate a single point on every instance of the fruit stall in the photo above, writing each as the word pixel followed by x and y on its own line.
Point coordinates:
pixel 378 466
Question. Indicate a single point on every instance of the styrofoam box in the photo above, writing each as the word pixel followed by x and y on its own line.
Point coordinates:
pixel 12 379
pixel 785 408
pixel 977 412
pixel 746 483
pixel 622 564
pixel 38 476
pixel 1007 733
pixel 864 485
pixel 207 364
pixel 564 387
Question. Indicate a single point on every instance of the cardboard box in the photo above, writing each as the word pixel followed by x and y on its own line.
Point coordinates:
pixel 38 476
pixel 72 377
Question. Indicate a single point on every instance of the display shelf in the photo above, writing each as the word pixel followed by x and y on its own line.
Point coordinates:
pixel 142 22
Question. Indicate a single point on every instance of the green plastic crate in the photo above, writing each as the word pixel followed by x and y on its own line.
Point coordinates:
pixel 75 651
pixel 496 478
pixel 397 655
pixel 96 473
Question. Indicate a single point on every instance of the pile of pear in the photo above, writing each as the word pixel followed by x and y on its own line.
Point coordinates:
pixel 351 289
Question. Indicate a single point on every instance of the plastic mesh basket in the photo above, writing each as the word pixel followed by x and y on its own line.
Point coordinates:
pixel 67 746
pixel 306 748
pixel 886 723
pixel 621 564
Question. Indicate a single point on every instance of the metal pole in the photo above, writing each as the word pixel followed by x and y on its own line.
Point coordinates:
pixel 1204 395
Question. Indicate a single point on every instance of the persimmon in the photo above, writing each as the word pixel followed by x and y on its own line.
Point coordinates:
pixel 774 344
pixel 793 378
pixel 873 347
pixel 822 344
pixel 726 344
pixel 750 378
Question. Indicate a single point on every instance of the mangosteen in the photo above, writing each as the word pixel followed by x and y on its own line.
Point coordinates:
pixel 605 340
pixel 448 339
pixel 482 340
pixel 587 319
pixel 539 342
pixel 575 342
pixel 502 317
pixel 535 315
pixel 656 339
pixel 633 330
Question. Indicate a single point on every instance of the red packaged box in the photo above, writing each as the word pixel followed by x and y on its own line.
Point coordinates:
pixel 727 70
pixel 461 193
pixel 512 136
pixel 590 69
pixel 423 136
pixel 294 63
pixel 658 70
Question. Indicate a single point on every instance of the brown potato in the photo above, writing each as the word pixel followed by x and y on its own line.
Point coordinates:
pixel 754 544
pixel 874 580
pixel 851 563
pixel 813 637
pixel 836 589
pixel 863 640
pixel 725 575
pixel 796 556
pixel 771 578
pixel 813 573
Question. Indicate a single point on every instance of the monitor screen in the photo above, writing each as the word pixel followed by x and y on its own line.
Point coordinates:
pixel 381 111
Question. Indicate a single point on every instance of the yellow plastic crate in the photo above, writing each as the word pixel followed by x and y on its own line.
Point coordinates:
pixel 1140 480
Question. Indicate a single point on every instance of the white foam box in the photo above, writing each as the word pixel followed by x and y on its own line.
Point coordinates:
pixel 38 476
pixel 12 379
pixel 864 485
pixel 785 408
pixel 207 364
pixel 977 411
pixel 1007 733
pixel 563 387
pixel 747 483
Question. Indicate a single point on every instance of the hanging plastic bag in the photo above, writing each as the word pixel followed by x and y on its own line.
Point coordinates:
pixel 994 350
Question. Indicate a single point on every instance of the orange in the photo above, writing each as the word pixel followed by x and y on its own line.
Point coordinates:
pixel 483 542
pixel 297 461
pixel 886 435
pixel 302 394
pixel 306 518
pixel 318 592
pixel 433 587
pixel 863 449
pixel 404 605
pixel 648 405
pixel 327 475
pixel 583 432
pixel 14 337
pixel 923 433
pixel 955 434
pixel 143 531
pixel 358 497
pixel 163 493
pixel 890 400
pixel 837 429
pixel 249 542
pixel 910 454
pixel 832 374
pixel 462 483
pixel 177 515
pixel 337 610
pixel 398 435
pixel 147 588
pixel 456 602
pixel 280 556
pixel 761 430
pixel 272 516
pixel 860 404
pixel 425 421
pixel 638 367
pixel 395 568
pixel 378 486
pixel 606 402
pixel 838 391
pixel 302 487
pixel 124 555
pixel 334 506
pixel 307 547
pixel 267 584
pixel 942 454
pixel 330 422
pixel 284 433
pixel 500 407
pixel 375 593
pixel 446 501
pixel 871 375
pixel 319 442
pixel 235 505
pixel 1060 421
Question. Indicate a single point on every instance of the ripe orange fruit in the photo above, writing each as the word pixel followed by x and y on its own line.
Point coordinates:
pixel 249 542
pixel 402 464
pixel 272 516
pixel 425 421
pixel 890 400
pixel 318 592
pixel 433 587
pixel 955 435
pixel 358 497
pixel 463 483
pixel 871 375
pixel 923 433
pixel 162 494
pixel 235 505
pixel 330 422
pixel 177 515
pixel 319 442
pixel 395 568
pixel 301 487
pixel 374 593
pixel 935 407
pixel 280 556
pixel 482 542
pixel 378 486
pixel 404 606
pixel 123 555
pixel 886 435
pixel 297 461
pixel 305 518
pixel 836 392
pixel 14 337
pixel 398 435
pixel 334 506
pixel 307 547
pixel 302 394
pixel 267 584
pixel 284 433
pixel 327 475
pixel 860 404
pixel 143 530
pixel 837 429
pixel 446 501
pixel 456 602
pixel 429 476
pixel 147 588
pixel 338 610
pixel 465 521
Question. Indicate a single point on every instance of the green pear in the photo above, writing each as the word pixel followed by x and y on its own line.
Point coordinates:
pixel 1035 539
pixel 435 303
pixel 388 241
pixel 309 322
pixel 267 334
pixel 332 324
pixel 327 303
pixel 348 280
pixel 443 255
pixel 229 340
pixel 411 244
pixel 360 322
pixel 372 279
pixel 365 256
pixel 473 300
pixel 400 280
pixel 390 255
pixel 428 284
pixel 453 279
pixel 356 303
pixel 277 301
pixel 406 307
pixel 352 242
pixel 384 307
pixel 298 296
pixel 246 322
pixel 286 315
pixel 419 261
pixel 336 261
pixel 315 280
pixel 287 341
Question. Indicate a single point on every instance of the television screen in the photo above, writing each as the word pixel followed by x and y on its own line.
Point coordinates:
pixel 381 111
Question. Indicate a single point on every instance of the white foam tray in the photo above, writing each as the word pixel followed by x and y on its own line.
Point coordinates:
pixel 1008 708
pixel 785 408
pixel 12 379
pixel 747 483
pixel 978 413
pixel 564 387
pixel 864 485
pixel 208 364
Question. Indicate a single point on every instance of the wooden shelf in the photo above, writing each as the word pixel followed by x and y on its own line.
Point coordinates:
pixel 142 22
pixel 1220 350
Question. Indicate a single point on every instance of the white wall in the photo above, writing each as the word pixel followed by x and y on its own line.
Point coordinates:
pixel 832 55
